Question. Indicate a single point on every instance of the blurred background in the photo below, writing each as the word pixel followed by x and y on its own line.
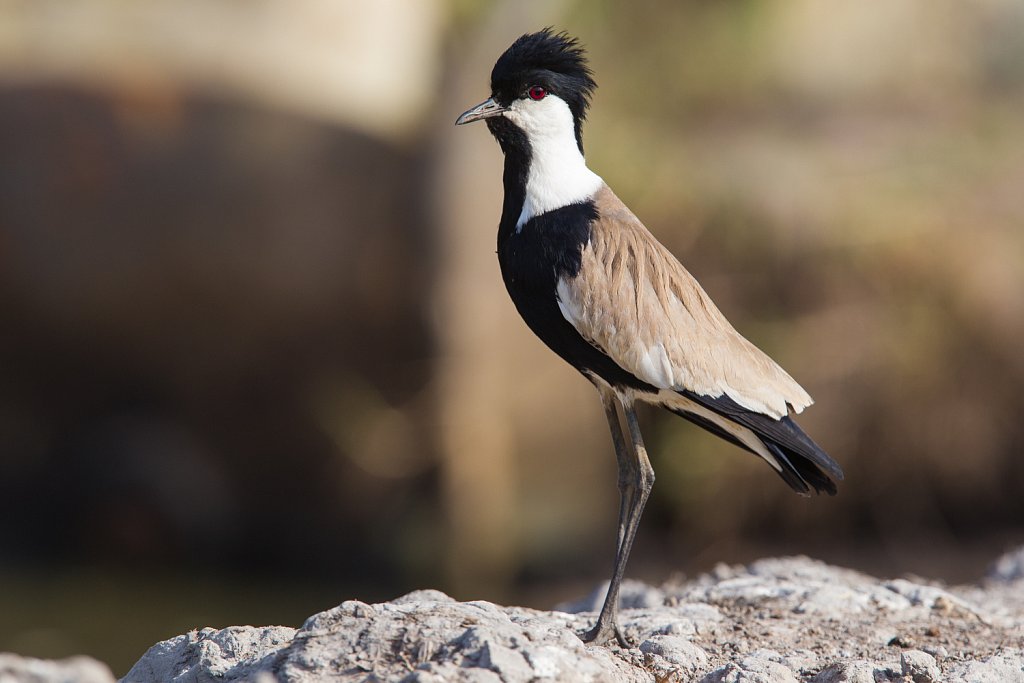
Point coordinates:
pixel 256 357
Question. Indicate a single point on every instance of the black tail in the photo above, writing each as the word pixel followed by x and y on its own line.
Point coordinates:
pixel 804 464
pixel 800 472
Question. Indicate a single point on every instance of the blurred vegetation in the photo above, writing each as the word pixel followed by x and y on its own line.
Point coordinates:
pixel 257 359
pixel 852 200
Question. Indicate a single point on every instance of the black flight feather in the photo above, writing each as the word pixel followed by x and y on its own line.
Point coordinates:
pixel 803 461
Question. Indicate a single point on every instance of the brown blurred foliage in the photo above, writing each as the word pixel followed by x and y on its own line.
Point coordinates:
pixel 850 196
pixel 250 328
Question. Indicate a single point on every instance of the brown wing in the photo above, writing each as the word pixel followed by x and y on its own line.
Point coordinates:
pixel 635 301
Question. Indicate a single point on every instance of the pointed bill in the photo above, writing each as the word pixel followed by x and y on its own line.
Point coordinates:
pixel 484 110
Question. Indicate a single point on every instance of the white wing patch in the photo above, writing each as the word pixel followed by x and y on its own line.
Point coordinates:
pixel 566 302
pixel 655 367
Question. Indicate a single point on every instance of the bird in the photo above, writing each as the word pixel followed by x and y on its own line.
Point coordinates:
pixel 592 282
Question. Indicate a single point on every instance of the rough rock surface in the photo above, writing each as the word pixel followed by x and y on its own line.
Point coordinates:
pixel 775 621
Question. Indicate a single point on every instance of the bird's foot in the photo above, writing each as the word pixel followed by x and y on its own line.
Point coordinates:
pixel 603 633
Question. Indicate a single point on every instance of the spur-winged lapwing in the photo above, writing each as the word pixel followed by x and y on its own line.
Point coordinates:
pixel 606 296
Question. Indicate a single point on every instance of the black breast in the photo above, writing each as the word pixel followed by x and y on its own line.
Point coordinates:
pixel 547 248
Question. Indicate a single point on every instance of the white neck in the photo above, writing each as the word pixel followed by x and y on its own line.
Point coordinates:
pixel 558 174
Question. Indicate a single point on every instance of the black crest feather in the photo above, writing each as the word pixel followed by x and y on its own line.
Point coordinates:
pixel 554 60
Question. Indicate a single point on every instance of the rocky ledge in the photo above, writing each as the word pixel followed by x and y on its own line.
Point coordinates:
pixel 775 621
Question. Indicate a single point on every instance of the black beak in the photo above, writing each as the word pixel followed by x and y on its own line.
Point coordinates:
pixel 484 110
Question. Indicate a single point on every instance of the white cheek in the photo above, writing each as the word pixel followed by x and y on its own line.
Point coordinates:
pixel 558 174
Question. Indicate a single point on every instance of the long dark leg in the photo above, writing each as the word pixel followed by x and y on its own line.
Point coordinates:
pixel 624 460
pixel 636 478
pixel 644 482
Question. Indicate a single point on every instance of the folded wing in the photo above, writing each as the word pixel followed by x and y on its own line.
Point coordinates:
pixel 632 299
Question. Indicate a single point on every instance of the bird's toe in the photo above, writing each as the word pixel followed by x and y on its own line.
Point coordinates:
pixel 604 634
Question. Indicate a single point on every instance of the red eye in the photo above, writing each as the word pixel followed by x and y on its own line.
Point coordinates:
pixel 537 93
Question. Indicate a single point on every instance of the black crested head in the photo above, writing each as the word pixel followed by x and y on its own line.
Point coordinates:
pixel 554 61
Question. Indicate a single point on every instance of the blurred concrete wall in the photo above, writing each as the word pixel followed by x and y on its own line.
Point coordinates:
pixel 372 65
